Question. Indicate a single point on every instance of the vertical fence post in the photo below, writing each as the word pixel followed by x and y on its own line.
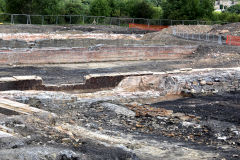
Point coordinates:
pixel 171 23
pixel 56 19
pixel 12 19
pixel 30 20
pixel 174 31
pixel 42 20
pixel 70 19
pixel 111 21
pixel 27 19
pixel 219 39
pixel 104 20
pixel 83 20
pixel 230 40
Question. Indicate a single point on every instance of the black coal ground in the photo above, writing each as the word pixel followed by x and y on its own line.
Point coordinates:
pixel 65 75
pixel 217 126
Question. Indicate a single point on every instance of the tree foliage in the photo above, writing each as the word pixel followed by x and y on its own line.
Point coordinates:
pixel 185 9
pixel 234 9
pixel 33 6
pixel 2 6
pixel 142 9
pixel 156 3
pixel 167 9
pixel 100 8
pixel 74 8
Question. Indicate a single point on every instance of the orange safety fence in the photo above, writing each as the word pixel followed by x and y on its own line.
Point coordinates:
pixel 233 40
pixel 147 27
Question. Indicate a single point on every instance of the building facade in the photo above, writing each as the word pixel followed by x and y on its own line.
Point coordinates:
pixel 221 5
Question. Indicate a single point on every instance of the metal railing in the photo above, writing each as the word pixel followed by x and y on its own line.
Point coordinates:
pixel 206 37
pixel 84 19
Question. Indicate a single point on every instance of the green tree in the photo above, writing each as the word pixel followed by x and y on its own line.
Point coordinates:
pixel 156 3
pixel 100 8
pixel 234 9
pixel 48 7
pixel 19 6
pixel 157 13
pixel 73 8
pixel 140 9
pixel 206 8
pixel 2 6
pixel 186 9
pixel 33 6
pixel 117 7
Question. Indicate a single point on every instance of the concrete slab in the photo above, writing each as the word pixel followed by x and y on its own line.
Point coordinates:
pixel 20 107
pixel 7 79
pixel 4 134
pixel 23 78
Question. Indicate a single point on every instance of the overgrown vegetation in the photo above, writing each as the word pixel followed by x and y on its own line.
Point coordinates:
pixel 151 9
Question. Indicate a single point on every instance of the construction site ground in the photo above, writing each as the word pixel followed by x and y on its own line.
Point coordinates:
pixel 185 106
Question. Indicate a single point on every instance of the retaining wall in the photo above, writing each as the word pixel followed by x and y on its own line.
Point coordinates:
pixel 92 54
pixel 68 43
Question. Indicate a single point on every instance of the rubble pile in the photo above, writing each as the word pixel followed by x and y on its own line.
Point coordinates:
pixel 227 29
pixel 180 28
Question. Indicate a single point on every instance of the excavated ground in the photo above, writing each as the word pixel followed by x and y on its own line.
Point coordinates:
pixel 206 56
pixel 186 114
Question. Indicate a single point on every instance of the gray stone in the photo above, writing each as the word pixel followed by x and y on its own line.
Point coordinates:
pixel 203 82
pixel 118 109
